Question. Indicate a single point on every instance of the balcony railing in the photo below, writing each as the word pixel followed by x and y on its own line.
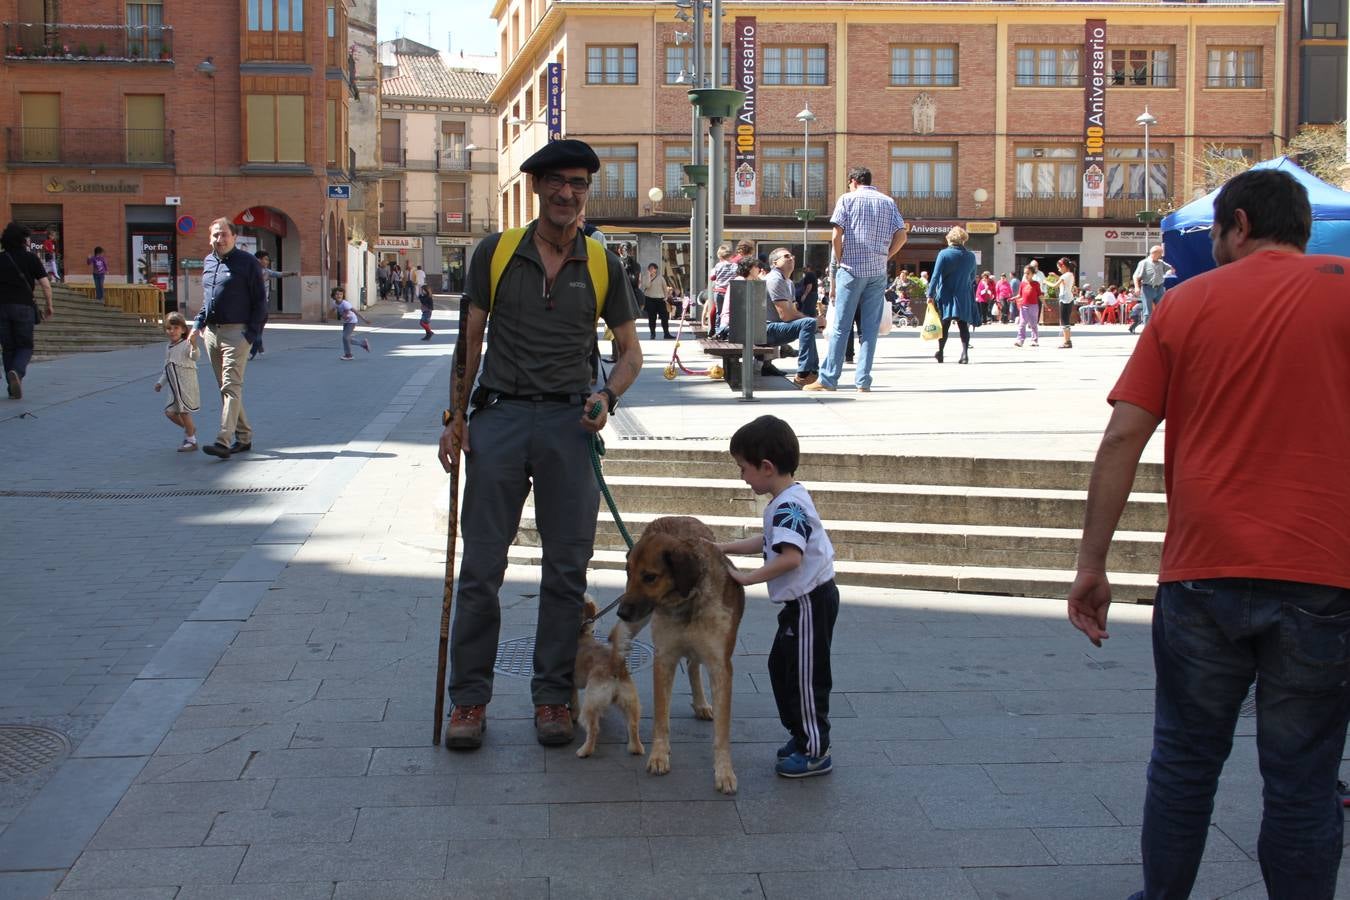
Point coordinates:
pixel 90 146
pixel 610 206
pixel 1048 206
pixel 393 219
pixel 88 43
pixel 780 206
pixel 1131 207
pixel 927 206
pixel 674 205
pixel 456 159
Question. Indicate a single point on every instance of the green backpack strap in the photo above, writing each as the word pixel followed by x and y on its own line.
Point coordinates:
pixel 596 264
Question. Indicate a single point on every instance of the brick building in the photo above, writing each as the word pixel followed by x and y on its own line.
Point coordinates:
pixel 131 124
pixel 438 170
pixel 966 113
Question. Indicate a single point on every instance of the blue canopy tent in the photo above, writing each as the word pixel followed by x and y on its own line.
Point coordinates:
pixel 1186 242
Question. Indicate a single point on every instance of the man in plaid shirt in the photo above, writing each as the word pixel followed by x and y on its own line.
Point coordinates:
pixel 868 231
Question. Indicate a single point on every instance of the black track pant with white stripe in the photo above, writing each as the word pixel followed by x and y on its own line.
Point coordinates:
pixel 799 667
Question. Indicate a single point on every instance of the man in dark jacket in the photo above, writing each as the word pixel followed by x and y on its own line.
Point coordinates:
pixel 21 273
pixel 234 310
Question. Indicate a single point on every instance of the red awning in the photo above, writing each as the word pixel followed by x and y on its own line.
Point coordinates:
pixel 264 218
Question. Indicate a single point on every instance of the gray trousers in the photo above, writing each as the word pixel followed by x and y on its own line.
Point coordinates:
pixel 516 444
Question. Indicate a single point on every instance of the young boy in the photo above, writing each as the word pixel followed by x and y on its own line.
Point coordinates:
pixel 799 567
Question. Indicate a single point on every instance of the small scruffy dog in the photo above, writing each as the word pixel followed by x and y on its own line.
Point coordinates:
pixel 603 671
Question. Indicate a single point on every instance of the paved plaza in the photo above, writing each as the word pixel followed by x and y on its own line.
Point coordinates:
pixel 241 655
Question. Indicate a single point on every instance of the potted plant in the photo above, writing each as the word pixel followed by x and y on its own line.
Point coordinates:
pixel 166 52
pixel 18 50
pixel 82 51
pixel 135 52
pixel 102 50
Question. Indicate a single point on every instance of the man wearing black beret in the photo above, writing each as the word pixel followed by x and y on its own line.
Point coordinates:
pixel 531 427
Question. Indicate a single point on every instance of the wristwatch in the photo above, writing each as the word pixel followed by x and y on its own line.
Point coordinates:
pixel 612 397
pixel 447 416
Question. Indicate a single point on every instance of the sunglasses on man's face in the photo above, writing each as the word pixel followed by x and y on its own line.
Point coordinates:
pixel 555 182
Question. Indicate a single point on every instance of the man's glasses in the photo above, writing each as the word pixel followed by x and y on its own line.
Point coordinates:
pixel 555 182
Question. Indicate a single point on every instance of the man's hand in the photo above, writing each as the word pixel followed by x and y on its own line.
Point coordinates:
pixel 1089 600
pixel 597 424
pixel 454 437
pixel 157 387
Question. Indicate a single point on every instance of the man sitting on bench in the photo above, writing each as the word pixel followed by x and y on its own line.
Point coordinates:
pixel 786 323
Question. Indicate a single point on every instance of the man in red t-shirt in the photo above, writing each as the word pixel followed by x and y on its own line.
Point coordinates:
pixel 1255 575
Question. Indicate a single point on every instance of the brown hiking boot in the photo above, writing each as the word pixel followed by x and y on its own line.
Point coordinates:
pixel 467 724
pixel 553 725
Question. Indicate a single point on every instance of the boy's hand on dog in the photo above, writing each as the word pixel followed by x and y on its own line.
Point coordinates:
pixel 158 386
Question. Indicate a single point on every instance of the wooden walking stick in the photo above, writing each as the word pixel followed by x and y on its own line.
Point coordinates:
pixel 459 399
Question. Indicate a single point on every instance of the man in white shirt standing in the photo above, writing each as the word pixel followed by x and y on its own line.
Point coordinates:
pixel 1148 280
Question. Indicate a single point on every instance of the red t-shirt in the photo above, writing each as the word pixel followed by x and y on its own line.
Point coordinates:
pixel 1257 449
pixel 1029 294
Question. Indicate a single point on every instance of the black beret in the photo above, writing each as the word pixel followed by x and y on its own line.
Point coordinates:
pixel 564 154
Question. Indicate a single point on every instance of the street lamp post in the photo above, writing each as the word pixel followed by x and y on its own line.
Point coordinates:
pixel 1148 121
pixel 806 117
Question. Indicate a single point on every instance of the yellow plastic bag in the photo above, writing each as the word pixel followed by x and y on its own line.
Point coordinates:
pixel 932 323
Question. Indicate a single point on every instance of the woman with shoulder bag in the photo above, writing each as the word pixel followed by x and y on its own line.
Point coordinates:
pixel 20 273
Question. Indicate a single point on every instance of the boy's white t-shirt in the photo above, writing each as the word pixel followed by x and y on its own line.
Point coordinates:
pixel 791 518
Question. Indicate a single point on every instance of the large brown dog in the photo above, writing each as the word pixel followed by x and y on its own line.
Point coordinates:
pixel 679 578
pixel 602 669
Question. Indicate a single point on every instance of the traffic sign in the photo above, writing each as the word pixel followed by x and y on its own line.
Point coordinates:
pixel 339 192
pixel 186 224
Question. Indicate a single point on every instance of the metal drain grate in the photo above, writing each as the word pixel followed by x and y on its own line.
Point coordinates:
pixel 24 749
pixel 150 495
pixel 516 657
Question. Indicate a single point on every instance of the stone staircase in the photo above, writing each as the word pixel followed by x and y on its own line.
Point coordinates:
pixel 82 325
pixel 989 526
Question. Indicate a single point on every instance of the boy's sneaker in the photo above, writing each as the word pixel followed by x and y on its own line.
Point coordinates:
pixel 799 765
pixel 365 345
pixel 787 749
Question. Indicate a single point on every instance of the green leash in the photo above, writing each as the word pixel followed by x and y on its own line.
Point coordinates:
pixel 597 451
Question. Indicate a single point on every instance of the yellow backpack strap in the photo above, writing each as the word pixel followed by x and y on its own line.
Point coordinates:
pixel 595 264
pixel 599 269
pixel 501 257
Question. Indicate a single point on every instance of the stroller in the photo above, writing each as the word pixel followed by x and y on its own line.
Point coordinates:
pixel 901 308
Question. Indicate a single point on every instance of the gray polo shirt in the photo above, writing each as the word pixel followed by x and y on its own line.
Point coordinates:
pixel 779 289
pixel 540 338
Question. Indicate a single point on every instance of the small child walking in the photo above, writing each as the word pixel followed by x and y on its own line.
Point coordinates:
pixel 180 374
pixel 428 304
pixel 349 317
pixel 799 567
pixel 1029 308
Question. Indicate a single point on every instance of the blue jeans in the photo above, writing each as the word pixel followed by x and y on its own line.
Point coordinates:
pixel 803 331
pixel 347 329
pixel 851 294
pixel 98 287
pixel 1150 297
pixel 1210 640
